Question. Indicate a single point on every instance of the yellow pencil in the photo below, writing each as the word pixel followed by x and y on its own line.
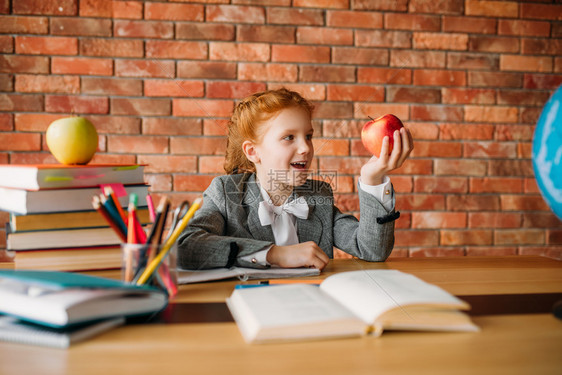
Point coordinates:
pixel 169 243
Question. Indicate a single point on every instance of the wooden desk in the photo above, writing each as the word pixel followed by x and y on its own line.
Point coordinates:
pixel 511 344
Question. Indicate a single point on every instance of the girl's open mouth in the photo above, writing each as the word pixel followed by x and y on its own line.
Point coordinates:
pixel 299 165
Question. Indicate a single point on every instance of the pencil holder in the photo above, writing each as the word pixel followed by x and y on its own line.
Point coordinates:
pixel 137 258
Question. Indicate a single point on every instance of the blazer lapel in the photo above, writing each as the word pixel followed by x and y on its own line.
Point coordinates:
pixel 309 229
pixel 252 199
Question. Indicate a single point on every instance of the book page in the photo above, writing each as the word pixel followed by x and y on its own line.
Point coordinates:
pixel 370 293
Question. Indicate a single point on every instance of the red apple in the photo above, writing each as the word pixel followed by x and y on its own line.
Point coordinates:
pixel 374 132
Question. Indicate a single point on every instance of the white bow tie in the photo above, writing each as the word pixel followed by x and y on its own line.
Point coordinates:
pixel 278 217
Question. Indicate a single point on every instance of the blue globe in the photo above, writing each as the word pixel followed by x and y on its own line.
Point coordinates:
pixel 547 152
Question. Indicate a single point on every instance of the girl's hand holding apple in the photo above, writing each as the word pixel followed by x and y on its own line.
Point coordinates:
pixel 373 172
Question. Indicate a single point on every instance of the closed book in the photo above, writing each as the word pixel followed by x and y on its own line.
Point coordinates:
pixel 70 259
pixel 63 299
pixel 21 332
pixel 346 304
pixel 49 176
pixel 66 220
pixel 56 239
pixel 60 200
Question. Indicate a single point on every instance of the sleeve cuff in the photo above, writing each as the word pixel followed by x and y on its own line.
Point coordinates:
pixel 382 192
pixel 258 258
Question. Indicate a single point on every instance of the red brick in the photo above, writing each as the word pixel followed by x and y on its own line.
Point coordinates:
pixel 176 49
pixel 41 7
pixel 205 69
pixel 413 95
pixel 523 28
pixel 511 168
pixel 384 75
pixel 495 79
pixel 493 44
pixel 542 81
pixel 331 147
pixel 436 7
pixel 203 31
pixel 523 203
pixel 211 164
pixel 6 44
pixel 192 182
pixel 239 52
pixel 111 86
pixel 534 46
pixel 416 238
pixel 20 142
pixel 198 145
pixel 24 25
pixel 474 113
pixel 442 41
pixel 554 237
pixel 466 131
pixel 6 122
pixel 456 237
pixel 398 5
pixel 324 35
pixel 417 59
pixel 267 72
pixel 363 110
pixel 473 203
pixel 417 22
pixel 415 167
pixel 381 38
pixel 143 29
pixel 202 108
pixel 233 90
pixel 174 12
pixel 111 47
pixel 95 8
pixel 526 63
pixel 347 202
pixel 472 61
pixel 460 167
pixel 320 73
pixel 418 252
pixel 38 45
pixel 290 16
pixel 437 149
pixel 76 104
pixel 324 110
pixel 361 93
pixel 24 64
pixel 436 113
pixel 491 251
pixel 6 82
pixel 137 144
pixel 439 77
pixel 473 25
pixel 82 66
pixel 21 103
pixel 51 84
pixel 519 237
pixel 168 163
pixel 321 3
pixel 530 115
pixel 305 54
pixel 524 150
pixel 453 95
pixel 420 202
pixel 215 127
pixel 438 220
pixel 492 8
pixel 176 88
pixel 359 56
pixel 308 90
pixel 127 9
pixel 171 126
pixel 440 185
pixel 342 128
pixel 80 26
pixel 489 150
pixel 144 107
pixel 159 182
pixel 541 11
pixel 547 251
pixel 235 14
pixel 145 68
pixel 354 19
pixel 115 124
pixel 522 97
pixel 266 34
pixel 33 158
pixel 496 185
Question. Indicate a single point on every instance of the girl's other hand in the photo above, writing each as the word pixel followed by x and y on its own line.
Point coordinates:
pixel 375 169
pixel 306 254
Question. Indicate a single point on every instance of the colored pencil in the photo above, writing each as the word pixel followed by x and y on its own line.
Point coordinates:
pixel 101 209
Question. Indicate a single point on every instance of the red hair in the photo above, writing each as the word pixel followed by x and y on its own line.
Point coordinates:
pixel 246 119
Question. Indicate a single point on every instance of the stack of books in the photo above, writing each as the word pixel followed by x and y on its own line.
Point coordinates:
pixel 53 225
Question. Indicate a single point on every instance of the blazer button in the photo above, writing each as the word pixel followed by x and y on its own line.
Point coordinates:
pixel 254 260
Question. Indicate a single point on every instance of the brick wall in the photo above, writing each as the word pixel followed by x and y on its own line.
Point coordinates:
pixel 159 80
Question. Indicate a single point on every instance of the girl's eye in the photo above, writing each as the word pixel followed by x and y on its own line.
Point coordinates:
pixel 288 138
pixel 309 137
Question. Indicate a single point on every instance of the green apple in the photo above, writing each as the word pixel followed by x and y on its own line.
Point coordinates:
pixel 72 140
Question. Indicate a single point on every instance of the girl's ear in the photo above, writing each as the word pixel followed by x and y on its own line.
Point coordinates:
pixel 250 151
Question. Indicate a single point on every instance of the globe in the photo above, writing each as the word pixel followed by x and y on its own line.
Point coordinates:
pixel 547 152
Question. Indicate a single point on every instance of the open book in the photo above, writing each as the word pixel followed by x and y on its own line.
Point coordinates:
pixel 62 299
pixel 242 273
pixel 346 304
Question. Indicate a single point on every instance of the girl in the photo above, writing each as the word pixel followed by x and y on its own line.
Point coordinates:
pixel 266 212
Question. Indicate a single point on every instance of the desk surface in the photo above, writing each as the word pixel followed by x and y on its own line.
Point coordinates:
pixel 514 344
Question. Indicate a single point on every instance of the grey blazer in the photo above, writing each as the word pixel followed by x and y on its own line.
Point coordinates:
pixel 227 225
